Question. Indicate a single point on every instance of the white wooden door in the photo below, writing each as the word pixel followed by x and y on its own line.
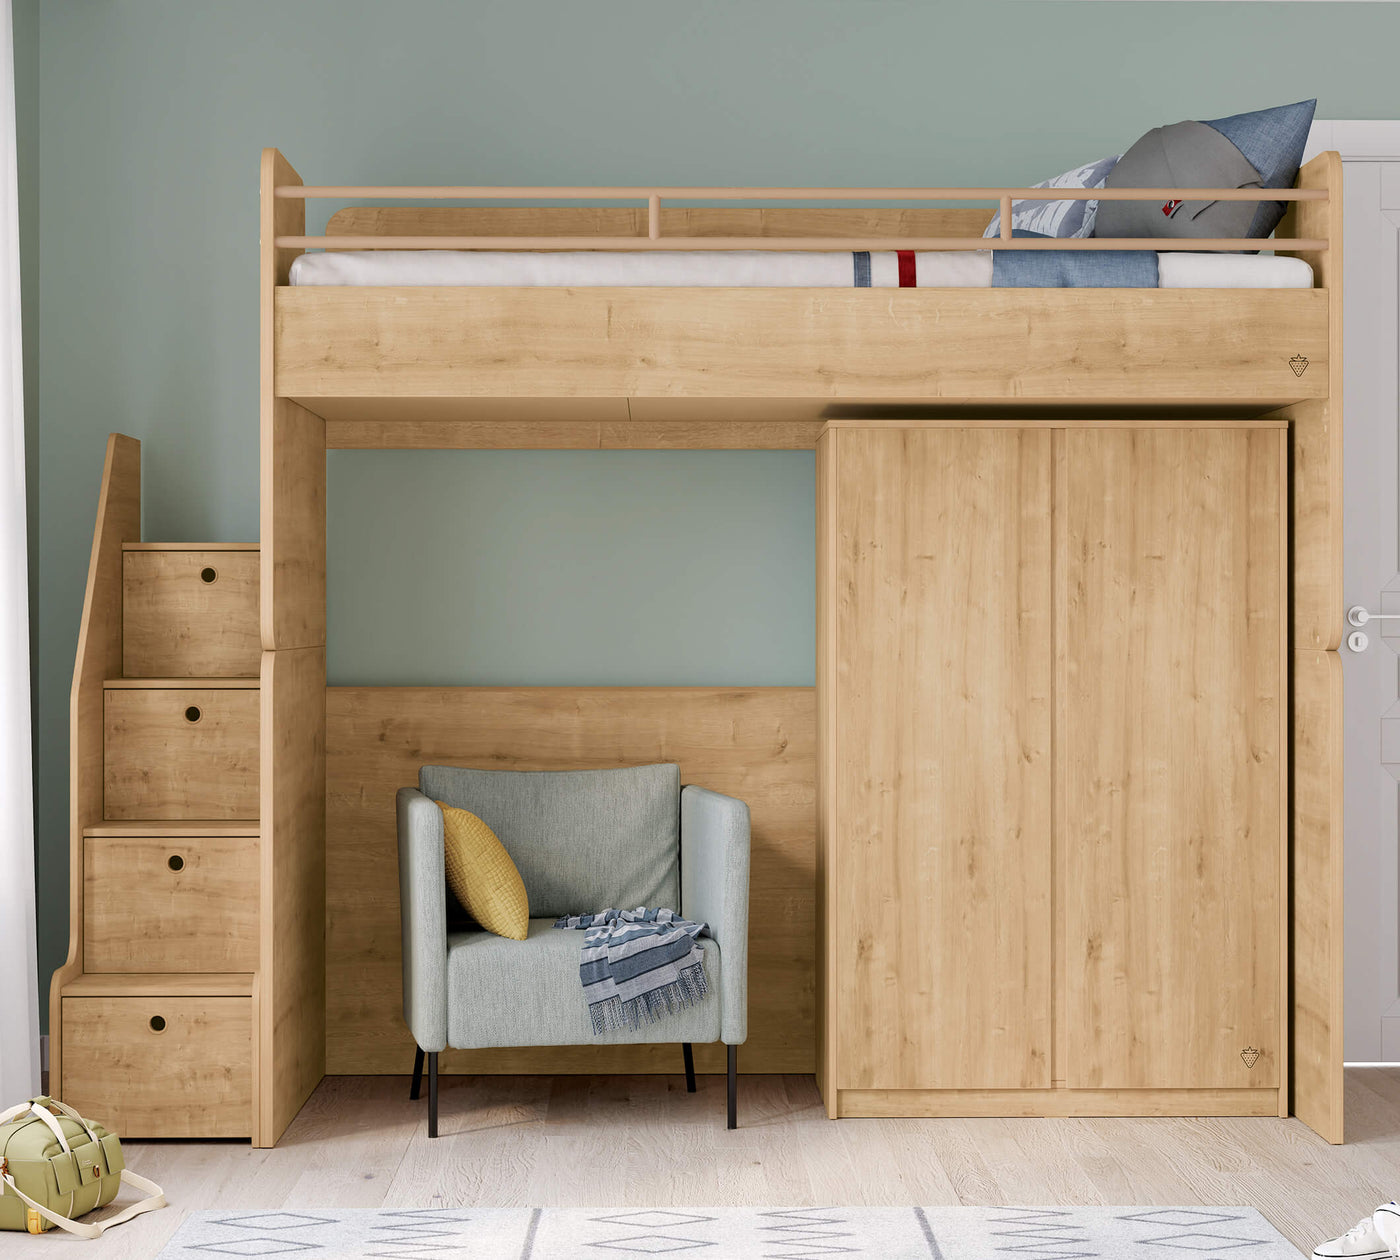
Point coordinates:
pixel 1371 419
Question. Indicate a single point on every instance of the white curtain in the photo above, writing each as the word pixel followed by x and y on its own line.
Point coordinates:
pixel 19 964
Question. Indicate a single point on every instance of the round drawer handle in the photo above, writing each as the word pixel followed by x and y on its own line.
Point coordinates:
pixel 193 713
pixel 209 575
pixel 157 1023
pixel 175 862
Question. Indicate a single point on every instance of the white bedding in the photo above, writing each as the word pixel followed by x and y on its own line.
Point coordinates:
pixel 964 269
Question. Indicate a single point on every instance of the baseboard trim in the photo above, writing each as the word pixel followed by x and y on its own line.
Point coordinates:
pixel 1058 1103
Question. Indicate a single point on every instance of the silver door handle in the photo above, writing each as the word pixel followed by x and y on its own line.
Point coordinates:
pixel 1358 616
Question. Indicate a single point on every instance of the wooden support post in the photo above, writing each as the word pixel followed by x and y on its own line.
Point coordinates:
pixel 291 1023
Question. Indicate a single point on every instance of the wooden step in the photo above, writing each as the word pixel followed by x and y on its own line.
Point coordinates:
pixel 188 546
pixel 183 684
pixel 190 611
pixel 175 1062
pixel 159 984
pixel 174 830
pixel 180 752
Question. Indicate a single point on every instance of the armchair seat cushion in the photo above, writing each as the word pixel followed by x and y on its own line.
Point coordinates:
pixel 527 993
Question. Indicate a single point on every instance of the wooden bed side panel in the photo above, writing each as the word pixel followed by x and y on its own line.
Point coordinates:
pixel 99 657
pixel 1317 892
pixel 293 444
pixel 1318 220
pixel 291 1027
pixel 715 432
pixel 1316 523
pixel 1317 428
pixel 632 221
pixel 1106 345
pixel 1317 902
pixel 754 743
pixel 292 596
pixel 828 926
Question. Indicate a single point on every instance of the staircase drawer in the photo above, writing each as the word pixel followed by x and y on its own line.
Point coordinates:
pixel 190 614
pixel 174 752
pixel 152 1067
pixel 170 903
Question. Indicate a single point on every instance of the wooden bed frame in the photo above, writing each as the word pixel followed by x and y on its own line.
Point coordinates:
pixel 677 368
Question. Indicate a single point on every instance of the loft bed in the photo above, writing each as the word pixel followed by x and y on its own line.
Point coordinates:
pixel 628 358
pixel 380 366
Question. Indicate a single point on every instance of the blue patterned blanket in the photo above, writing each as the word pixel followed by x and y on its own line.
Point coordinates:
pixel 638 965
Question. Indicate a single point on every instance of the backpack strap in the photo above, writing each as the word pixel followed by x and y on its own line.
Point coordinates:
pixel 155 1199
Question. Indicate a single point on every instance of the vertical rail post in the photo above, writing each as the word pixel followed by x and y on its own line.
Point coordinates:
pixel 1006 218
pixel 654 216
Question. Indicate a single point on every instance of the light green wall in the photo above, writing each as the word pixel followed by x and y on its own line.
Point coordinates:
pixel 543 568
pixel 152 113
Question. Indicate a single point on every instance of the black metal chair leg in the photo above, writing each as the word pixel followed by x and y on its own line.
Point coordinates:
pixel 417 1086
pixel 733 1086
pixel 689 1067
pixel 432 1094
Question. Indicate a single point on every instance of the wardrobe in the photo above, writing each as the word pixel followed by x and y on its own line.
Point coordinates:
pixel 1053 759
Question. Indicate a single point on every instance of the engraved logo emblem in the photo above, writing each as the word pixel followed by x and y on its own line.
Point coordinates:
pixel 1299 364
pixel 1250 1056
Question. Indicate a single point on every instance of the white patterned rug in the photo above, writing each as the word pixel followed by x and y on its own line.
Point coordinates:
pixel 738 1233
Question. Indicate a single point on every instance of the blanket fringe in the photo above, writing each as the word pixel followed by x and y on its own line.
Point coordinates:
pixel 615 1015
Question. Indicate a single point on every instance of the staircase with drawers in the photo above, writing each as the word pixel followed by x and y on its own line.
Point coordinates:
pixel 154 1018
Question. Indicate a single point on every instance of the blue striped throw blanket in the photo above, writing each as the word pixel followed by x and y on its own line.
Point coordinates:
pixel 638 965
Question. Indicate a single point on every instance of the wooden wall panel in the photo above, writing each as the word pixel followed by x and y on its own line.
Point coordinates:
pixel 291 1054
pixel 941 844
pixel 1171 740
pixel 753 743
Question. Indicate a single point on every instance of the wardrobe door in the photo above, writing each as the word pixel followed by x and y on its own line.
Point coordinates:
pixel 941 727
pixel 1170 754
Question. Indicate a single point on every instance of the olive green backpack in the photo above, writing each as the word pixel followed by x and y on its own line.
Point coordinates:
pixel 55 1166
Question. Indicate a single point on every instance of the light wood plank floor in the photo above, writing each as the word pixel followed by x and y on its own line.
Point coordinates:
pixel 506 1141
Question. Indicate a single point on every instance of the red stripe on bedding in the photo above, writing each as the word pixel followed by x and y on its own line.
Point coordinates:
pixel 908 273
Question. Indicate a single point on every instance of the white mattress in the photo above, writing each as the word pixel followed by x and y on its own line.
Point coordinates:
pixel 964 269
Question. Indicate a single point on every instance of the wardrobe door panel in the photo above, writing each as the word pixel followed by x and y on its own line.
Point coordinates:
pixel 1170 755
pixel 941 833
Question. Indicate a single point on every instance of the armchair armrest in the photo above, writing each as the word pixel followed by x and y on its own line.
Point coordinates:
pixel 423 918
pixel 715 890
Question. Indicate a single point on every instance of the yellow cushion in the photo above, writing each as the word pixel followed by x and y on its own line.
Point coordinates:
pixel 482 876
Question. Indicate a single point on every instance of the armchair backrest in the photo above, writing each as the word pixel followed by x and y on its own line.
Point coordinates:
pixel 582 840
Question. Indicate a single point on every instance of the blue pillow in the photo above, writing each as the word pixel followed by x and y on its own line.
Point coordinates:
pixel 1272 141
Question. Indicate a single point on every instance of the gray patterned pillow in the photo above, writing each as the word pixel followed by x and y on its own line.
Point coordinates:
pixel 1060 218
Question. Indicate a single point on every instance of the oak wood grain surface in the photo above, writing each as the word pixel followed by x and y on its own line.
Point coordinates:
pixel 753 743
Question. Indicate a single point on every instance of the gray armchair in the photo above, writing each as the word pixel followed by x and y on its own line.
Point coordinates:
pixel 583 841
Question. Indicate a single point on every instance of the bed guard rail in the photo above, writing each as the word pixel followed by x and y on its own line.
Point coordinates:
pixel 654 239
